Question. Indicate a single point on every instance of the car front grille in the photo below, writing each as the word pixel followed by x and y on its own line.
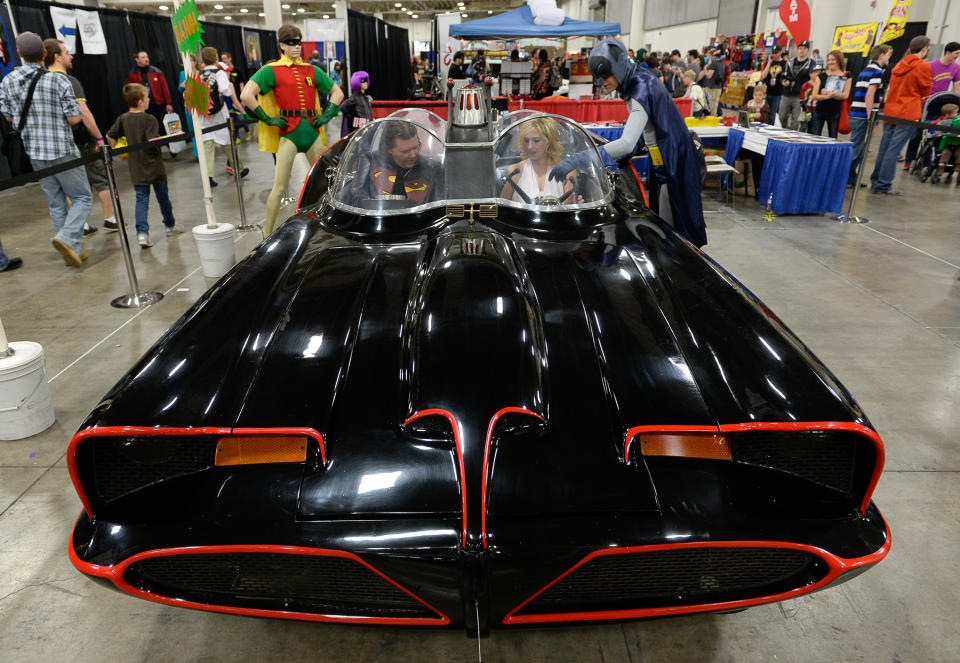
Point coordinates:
pixel 310 584
pixel 678 577
pixel 125 464
pixel 824 457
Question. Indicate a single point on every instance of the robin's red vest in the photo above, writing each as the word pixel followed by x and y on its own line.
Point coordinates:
pixel 296 91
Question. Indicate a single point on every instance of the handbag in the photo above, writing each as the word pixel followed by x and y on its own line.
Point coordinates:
pixel 13 147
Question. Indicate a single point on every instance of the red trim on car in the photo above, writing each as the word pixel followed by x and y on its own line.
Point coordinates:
pixel 115 575
pixel 486 459
pixel 837 567
pixel 869 433
pixel 643 191
pixel 123 431
pixel 459 447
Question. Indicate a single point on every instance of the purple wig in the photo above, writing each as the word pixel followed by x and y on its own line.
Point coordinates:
pixel 356 81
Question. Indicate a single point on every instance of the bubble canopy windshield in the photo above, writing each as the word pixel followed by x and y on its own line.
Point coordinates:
pixel 537 162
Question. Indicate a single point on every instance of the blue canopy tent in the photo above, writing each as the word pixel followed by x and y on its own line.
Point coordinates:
pixel 519 23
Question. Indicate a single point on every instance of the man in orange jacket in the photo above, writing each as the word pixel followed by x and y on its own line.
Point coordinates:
pixel 910 81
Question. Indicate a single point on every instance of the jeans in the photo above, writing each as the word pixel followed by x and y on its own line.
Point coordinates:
pixel 4 259
pixel 774 103
pixel 72 184
pixel 817 122
pixel 790 109
pixel 894 138
pixel 143 205
pixel 914 145
pixel 858 137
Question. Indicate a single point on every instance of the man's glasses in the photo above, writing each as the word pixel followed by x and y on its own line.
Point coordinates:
pixel 291 42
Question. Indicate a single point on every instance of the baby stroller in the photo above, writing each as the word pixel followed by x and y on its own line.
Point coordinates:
pixel 928 153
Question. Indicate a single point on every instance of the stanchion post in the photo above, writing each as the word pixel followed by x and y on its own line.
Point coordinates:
pixel 848 217
pixel 137 299
pixel 235 160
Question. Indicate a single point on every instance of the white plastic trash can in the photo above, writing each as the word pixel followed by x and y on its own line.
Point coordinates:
pixel 216 247
pixel 25 405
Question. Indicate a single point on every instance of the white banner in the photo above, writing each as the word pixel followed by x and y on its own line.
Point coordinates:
pixel 91 32
pixel 324 29
pixel 65 24
pixel 445 45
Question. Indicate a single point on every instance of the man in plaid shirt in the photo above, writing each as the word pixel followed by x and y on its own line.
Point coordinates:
pixel 48 140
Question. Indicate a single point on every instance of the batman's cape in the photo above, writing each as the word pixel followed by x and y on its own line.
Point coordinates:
pixel 679 156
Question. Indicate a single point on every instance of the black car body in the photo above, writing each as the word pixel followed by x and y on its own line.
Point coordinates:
pixel 477 412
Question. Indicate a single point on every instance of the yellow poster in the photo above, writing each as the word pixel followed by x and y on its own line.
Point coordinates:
pixel 895 21
pixel 855 38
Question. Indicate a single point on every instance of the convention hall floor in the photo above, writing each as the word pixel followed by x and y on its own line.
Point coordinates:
pixel 878 303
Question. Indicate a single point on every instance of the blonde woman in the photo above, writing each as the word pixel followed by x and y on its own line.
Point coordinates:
pixel 541 150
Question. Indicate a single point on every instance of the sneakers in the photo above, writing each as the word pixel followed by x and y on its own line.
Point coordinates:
pixel 144 240
pixel 244 172
pixel 111 226
pixel 69 255
pixel 229 170
pixel 12 264
pixel 88 229
pixel 84 256
pixel 213 183
pixel 174 230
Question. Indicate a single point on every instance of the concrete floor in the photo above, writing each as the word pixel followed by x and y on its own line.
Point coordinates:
pixel 878 303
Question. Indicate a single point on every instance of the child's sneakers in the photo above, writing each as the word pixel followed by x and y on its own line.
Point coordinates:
pixel 144 240
pixel 174 230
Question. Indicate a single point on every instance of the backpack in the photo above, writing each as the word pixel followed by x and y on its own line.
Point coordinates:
pixel 209 77
pixel 554 81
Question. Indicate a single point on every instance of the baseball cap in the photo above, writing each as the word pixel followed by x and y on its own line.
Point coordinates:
pixel 805 44
pixel 778 48
pixel 30 45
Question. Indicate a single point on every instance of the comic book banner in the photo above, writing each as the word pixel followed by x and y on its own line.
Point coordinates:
pixel 196 95
pixel 91 32
pixel 187 28
pixel 855 38
pixel 796 15
pixel 897 19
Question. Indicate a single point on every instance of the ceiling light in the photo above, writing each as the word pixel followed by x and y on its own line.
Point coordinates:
pixel 261 14
pixel 218 6
pixel 163 8
pixel 285 6
pixel 300 10
pixel 326 15
pixel 464 15
pixel 459 4
pixel 489 11
pixel 244 10
pixel 414 16
pixel 398 4
pixel 228 18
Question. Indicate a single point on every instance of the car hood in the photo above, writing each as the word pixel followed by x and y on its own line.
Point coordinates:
pixel 585 338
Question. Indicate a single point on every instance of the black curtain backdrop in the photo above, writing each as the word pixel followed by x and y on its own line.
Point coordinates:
pixel 268 45
pixel 102 76
pixel 228 38
pixel 383 51
pixel 154 34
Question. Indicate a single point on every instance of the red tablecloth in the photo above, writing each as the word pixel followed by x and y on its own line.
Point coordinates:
pixel 593 110
pixel 384 108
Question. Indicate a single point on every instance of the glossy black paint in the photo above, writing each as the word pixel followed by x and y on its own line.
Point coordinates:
pixel 597 321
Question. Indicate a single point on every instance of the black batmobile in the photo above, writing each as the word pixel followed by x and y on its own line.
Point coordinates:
pixel 478 398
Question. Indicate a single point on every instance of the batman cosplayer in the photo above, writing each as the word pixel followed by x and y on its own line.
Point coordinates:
pixel 654 118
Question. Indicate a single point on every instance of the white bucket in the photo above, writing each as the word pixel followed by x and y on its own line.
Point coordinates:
pixel 216 248
pixel 25 405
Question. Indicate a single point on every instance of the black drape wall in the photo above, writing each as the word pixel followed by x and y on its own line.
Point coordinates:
pixel 383 51
pixel 154 34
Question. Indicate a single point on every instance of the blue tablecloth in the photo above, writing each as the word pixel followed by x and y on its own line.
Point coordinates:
pixel 799 178
pixel 610 133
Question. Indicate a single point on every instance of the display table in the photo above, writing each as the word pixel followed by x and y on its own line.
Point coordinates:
pixel 802 174
pixel 593 110
pixel 614 131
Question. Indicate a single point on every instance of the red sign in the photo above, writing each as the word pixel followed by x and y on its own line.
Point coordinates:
pixel 796 15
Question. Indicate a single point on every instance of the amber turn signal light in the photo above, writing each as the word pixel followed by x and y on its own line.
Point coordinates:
pixel 260 449
pixel 686 445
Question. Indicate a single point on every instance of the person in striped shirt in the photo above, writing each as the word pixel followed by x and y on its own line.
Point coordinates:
pixel 867 95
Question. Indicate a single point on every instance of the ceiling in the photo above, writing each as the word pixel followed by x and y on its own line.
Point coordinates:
pixel 251 12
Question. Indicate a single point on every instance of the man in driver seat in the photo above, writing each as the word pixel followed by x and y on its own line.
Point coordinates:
pixel 401 171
